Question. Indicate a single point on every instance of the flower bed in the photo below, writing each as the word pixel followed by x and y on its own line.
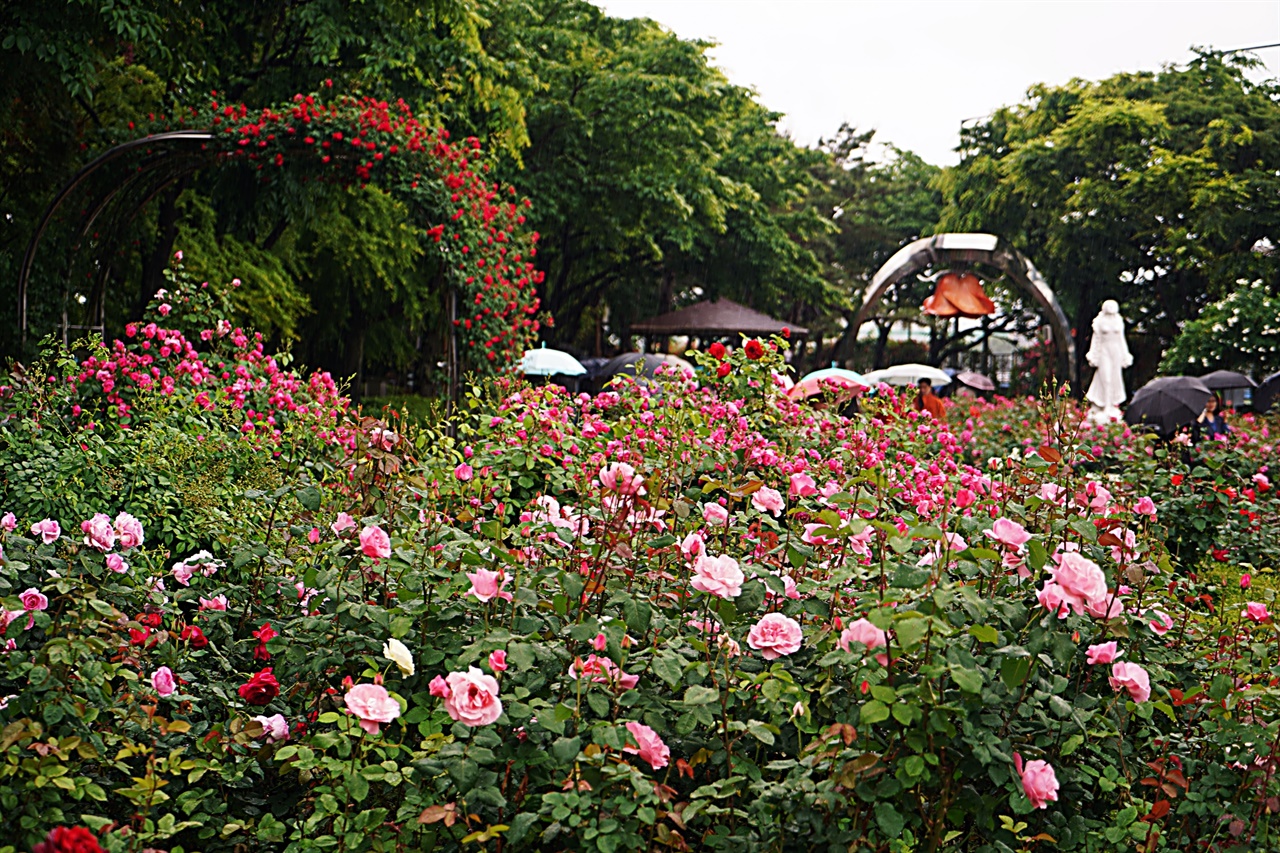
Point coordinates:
pixel 675 616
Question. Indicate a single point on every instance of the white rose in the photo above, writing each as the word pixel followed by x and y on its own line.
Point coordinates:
pixel 399 654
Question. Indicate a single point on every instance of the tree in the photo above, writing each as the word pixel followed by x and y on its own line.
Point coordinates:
pixel 1240 332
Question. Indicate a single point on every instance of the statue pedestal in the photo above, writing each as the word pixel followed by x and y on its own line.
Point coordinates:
pixel 1104 415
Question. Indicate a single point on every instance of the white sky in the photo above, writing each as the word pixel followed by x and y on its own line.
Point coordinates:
pixel 914 69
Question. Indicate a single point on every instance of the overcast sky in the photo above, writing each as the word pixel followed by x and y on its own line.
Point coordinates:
pixel 914 69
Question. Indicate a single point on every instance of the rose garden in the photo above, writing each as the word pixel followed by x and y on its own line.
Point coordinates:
pixel 248 606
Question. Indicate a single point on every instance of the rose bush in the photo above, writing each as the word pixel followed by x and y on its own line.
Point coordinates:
pixel 934 643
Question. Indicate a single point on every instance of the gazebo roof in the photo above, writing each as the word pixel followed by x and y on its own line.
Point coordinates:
pixel 721 317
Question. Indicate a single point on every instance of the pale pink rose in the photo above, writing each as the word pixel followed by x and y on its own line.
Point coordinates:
pixel 1009 533
pixel 344 522
pixel 374 542
pixel 8 522
pixel 384 438
pixel 812 538
pixel 98 532
pixel 862 631
pixel 648 746
pixel 1103 653
pixel 218 602
pixel 498 661
pixel 602 670
pixel 130 531
pixel 1255 611
pixel 372 704
pixel 438 687
pixel 1127 547
pixel 769 500
pixel 487 584
pixel 463 472
pixel 34 599
pixel 1095 496
pixel 860 543
pixel 693 545
pixel 48 531
pixel 1108 607
pixel 1080 579
pixel 1145 506
pixel 1052 493
pixel 162 680
pixel 775 635
pixel 182 573
pixel 117 564
pixel 1039 782
pixel 1054 599
pixel 473 698
pixel 274 728
pixel 622 478
pixel 802 485
pixel 718 576
pixel 715 514
pixel 1133 678
pixel 1159 621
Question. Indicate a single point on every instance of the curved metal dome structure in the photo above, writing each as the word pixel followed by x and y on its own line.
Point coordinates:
pixel 944 250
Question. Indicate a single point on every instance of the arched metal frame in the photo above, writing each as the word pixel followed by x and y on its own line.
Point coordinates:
pixel 942 250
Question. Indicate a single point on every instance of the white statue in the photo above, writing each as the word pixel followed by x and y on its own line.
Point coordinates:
pixel 1109 354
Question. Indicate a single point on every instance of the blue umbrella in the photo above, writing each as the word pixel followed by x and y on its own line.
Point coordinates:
pixel 550 362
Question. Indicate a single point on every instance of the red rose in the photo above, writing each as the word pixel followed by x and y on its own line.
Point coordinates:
pixel 754 349
pixel 68 839
pixel 1176 479
pixel 261 688
pixel 716 350
pixel 151 620
pixel 724 369
pixel 786 332
pixel 195 636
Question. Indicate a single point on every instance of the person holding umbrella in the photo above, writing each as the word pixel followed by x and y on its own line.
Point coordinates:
pixel 1211 422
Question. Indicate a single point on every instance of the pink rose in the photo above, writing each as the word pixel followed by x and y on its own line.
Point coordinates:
pixel 1246 581
pixel 162 681
pixel 8 522
pixel 812 538
pixel 1145 506
pixel 486 585
pixel 1254 611
pixel 718 576
pixel 1102 653
pixel 117 564
pixel 622 478
pixel 802 485
pixel 438 687
pixel 33 599
pixel 498 661
pixel 218 602
pixel 129 530
pixel 1009 533
pixel 715 514
pixel 1038 781
pixel 1159 621
pixel 1052 493
pixel 648 746
pixel 344 522
pixel 473 698
pixel 463 472
pixel 98 532
pixel 600 643
pixel 374 542
pixel 1127 547
pixel 769 500
pixel 274 728
pixel 313 535
pixel 372 704
pixel 48 531
pixel 1133 678
pixel 1080 580
pixel 775 635
pixel 862 631
pixel 693 545
pixel 1108 607
pixel 182 573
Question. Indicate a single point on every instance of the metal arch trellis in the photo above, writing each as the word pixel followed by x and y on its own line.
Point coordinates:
pixel 946 249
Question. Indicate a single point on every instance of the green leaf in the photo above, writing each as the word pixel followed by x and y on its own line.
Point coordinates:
pixel 984 633
pixel 761 731
pixel 968 680
pixel 357 787
pixel 910 632
pixel 566 749
pixel 700 694
pixel 309 497
pixel 1014 671
pixel 911 577
pixel 668 666
pixel 873 712
pixel 889 821
pixel 1072 744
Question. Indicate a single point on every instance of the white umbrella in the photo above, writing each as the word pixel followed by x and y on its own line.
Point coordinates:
pixel 907 374
pixel 836 373
pixel 550 362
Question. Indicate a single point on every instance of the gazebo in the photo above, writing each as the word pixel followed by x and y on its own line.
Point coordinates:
pixel 714 319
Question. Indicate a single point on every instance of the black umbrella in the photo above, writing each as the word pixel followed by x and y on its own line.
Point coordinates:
pixel 1266 393
pixel 1168 403
pixel 975 380
pixel 1222 380
pixel 645 364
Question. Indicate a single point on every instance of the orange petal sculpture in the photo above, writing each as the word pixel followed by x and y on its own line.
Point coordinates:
pixel 958 295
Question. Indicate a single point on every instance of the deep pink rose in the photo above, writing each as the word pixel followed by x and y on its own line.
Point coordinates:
pixel 648 746
pixel 693 545
pixel 718 576
pixel 802 485
pixel 622 478
pixel 162 680
pixel 498 661
pixel 344 522
pixel 1103 653
pixel 1133 678
pixel 218 602
pixel 1038 781
pixel 862 631
pixel 775 635
pixel 769 500
pixel 473 698
pixel 438 687
pixel 274 728
pixel 463 472
pixel 1009 533
pixel 372 704
pixel 117 564
pixel 48 531
pixel 486 584
pixel 1255 611
pixel 374 542
pixel 715 514
pixel 98 532
pixel 812 538
pixel 130 531
pixel 34 599
pixel 1145 506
